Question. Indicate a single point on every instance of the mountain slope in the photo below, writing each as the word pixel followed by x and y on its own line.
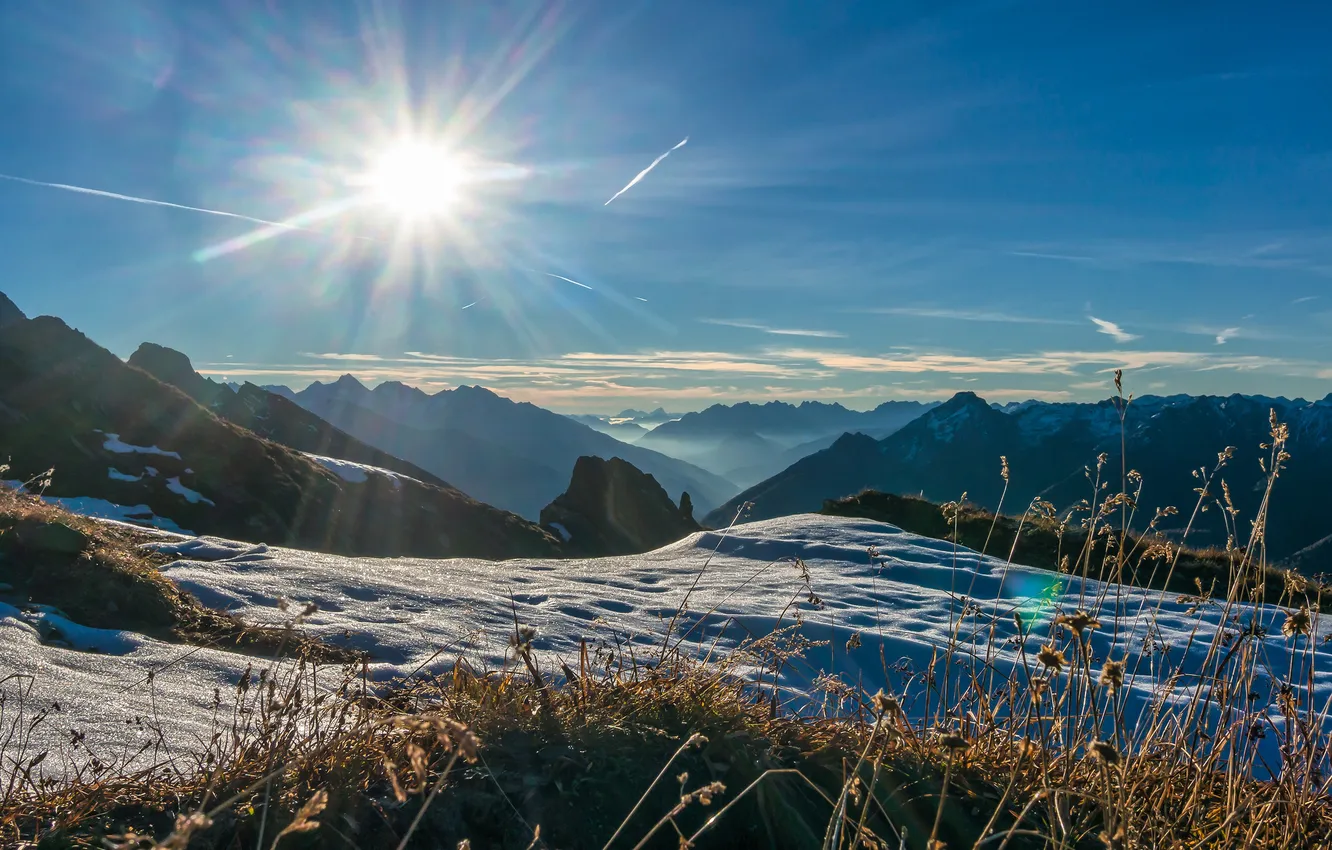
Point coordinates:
pixel 9 311
pixel 520 455
pixel 269 415
pixel 488 471
pixel 116 436
pixel 1053 448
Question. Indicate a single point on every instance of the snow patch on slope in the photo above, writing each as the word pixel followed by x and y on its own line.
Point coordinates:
pixel 194 497
pixel 113 443
pixel 356 473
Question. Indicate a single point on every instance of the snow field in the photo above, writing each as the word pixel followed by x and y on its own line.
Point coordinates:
pixel 881 620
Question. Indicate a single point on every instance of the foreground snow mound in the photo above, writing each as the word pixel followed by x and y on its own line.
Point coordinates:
pixel 148 703
pixel 882 617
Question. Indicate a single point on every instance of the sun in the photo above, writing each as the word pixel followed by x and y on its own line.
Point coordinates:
pixel 416 179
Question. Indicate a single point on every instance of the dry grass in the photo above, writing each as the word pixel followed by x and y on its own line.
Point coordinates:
pixel 1037 539
pixel 683 751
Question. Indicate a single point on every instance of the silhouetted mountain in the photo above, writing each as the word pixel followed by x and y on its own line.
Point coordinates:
pixel 613 508
pixel 172 367
pixel 956 447
pixel 748 442
pixel 124 444
pixel 515 455
pixel 269 415
pixel 9 311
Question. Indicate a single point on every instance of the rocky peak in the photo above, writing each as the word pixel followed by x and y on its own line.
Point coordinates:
pixel 172 367
pixel 9 311
pixel 348 382
pixel 612 508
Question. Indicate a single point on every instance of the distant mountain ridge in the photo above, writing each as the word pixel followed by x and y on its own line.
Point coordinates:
pixel 514 455
pixel 955 448
pixel 747 442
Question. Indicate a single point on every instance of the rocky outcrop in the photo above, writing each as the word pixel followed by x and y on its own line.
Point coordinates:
pixel 612 508
pixel 172 367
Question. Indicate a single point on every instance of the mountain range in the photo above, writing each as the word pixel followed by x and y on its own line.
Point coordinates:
pixel 1052 450
pixel 513 455
pixel 749 442
pixel 120 443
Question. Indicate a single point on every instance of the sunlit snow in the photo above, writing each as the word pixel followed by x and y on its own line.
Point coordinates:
pixel 413 614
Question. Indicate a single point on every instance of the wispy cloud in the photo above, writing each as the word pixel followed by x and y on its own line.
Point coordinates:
pixel 1111 329
pixel 1306 299
pixel 1226 335
pixel 759 326
pixel 368 358
pixel 135 199
pixel 1046 255
pixel 951 314
pixel 1310 251
pixel 645 171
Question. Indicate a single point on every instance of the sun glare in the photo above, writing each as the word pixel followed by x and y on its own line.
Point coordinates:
pixel 417 179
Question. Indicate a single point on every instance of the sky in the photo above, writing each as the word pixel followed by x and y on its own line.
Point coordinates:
pixel 596 205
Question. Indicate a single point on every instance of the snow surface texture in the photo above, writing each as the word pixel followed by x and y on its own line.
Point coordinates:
pixel 412 615
pixel 356 473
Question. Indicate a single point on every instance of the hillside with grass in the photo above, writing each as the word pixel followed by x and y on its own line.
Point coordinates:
pixel 118 442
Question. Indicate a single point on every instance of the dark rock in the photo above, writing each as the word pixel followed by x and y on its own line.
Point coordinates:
pixel 52 538
pixel 9 311
pixel 612 508
pixel 686 507
pixel 172 367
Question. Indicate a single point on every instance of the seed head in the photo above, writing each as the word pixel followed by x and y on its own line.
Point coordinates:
pixel 1297 622
pixel 1052 658
pixel 886 705
pixel 1105 753
pixel 1112 675
pixel 522 638
pixel 1078 621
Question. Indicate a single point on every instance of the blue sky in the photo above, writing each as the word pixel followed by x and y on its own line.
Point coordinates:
pixel 876 200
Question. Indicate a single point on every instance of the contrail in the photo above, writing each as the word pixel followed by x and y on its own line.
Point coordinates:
pixel 569 279
pixel 645 171
pixel 473 304
pixel 644 300
pixel 83 190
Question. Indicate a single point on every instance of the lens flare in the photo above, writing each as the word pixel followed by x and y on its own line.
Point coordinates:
pixel 417 179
